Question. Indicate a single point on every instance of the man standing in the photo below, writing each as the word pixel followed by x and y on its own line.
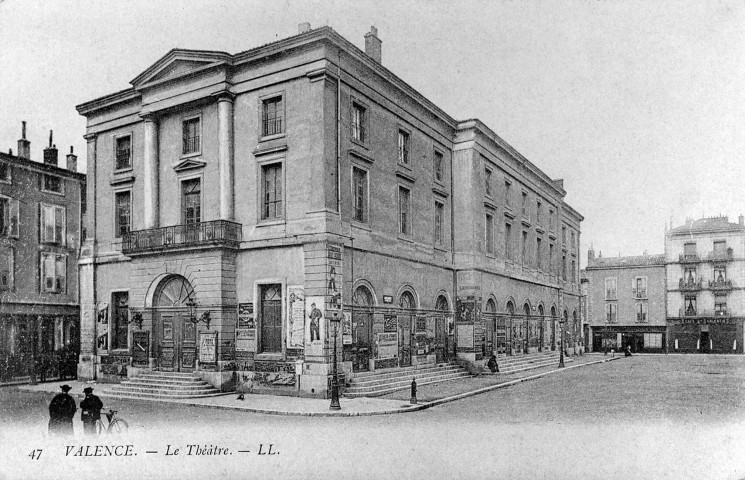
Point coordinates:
pixel 90 411
pixel 315 322
pixel 61 412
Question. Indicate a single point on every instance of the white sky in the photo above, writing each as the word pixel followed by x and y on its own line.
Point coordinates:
pixel 639 106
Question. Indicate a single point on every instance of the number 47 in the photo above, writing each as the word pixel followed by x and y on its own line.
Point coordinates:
pixel 35 454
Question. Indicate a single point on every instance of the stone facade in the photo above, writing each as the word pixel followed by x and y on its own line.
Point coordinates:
pixel 40 220
pixel 300 192
pixel 706 286
pixel 626 303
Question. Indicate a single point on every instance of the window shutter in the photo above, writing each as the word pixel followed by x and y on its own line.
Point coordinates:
pixel 60 273
pixel 42 237
pixel 14 217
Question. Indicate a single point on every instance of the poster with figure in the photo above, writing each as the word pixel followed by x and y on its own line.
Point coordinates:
pixel 314 321
pixel 296 316
pixel 102 328
pixel 346 328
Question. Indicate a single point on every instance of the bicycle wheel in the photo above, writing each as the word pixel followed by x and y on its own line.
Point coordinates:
pixel 99 427
pixel 118 426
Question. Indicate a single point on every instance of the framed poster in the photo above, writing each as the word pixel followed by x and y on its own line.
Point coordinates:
pixel 315 320
pixel 386 346
pixel 346 328
pixel 296 316
pixel 140 348
pixel 246 315
pixel 245 340
pixel 208 347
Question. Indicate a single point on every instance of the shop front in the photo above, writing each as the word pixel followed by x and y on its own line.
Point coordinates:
pixel 646 339
pixel 706 335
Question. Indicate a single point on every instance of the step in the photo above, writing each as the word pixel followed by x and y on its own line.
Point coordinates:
pixel 141 396
pixel 398 388
pixel 166 380
pixel 179 378
pixel 368 389
pixel 508 370
pixel 397 370
pixel 203 386
pixel 164 392
pixel 407 377
pixel 410 373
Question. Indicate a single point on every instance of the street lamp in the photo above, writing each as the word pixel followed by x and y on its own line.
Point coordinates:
pixel 335 318
pixel 191 304
pixel 135 317
pixel 561 346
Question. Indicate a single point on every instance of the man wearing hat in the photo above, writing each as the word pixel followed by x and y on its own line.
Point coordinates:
pixel 90 411
pixel 61 411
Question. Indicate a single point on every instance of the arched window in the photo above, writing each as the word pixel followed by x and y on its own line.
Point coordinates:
pixel 363 297
pixel 510 308
pixel 553 312
pixel 526 310
pixel 442 303
pixel 491 306
pixel 174 291
pixel 406 301
pixel 540 310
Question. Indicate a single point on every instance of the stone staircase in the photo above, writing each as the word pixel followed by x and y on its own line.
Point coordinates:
pixel 372 384
pixel 163 385
pixel 520 363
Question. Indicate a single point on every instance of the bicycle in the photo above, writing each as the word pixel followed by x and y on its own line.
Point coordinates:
pixel 116 425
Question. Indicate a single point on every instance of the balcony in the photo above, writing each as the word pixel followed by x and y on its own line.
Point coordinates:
pixel 700 313
pixel 721 256
pixel 689 258
pixel 216 232
pixel 720 285
pixel 639 292
pixel 689 286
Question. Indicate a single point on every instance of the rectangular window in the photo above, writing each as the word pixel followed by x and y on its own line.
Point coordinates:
pixel 690 305
pixel 272 116
pixel 7 267
pixel 9 208
pixel 439 218
pixel 611 312
pixel 551 258
pixel 720 305
pixel 438 168
pixel 359 192
pixel 720 247
pixel 359 123
pixel 564 267
pixel 574 272
pixel 640 287
pixel 525 206
pixel 51 183
pixel 689 276
pixel 403 147
pixel 551 220
pixel 611 290
pixel 53 273
pixel 487 182
pixel 652 340
pixel 120 320
pixel 124 152
pixel 53 224
pixel 563 235
pixel 191 136
pixel 524 248
pixel 538 259
pixel 508 241
pixel 191 202
pixel 123 213
pixel 689 250
pixel 538 212
pixel 271 191
pixel 4 172
pixel 720 275
pixel 641 312
pixel 489 234
pixel 404 210
pixel 572 236
pixel 507 193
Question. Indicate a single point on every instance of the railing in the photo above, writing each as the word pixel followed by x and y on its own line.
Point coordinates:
pixel 689 286
pixel 689 258
pixel 725 256
pixel 639 292
pixel 720 284
pixel 191 145
pixel 123 158
pixel 699 313
pixel 271 126
pixel 216 232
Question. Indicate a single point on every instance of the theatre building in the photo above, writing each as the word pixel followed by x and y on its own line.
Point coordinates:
pixel 626 303
pixel 248 209
pixel 40 210
pixel 705 278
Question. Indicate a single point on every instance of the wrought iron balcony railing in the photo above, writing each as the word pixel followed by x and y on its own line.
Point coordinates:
pixel 216 232
pixel 700 313
pixel 689 286
pixel 689 258
pixel 720 285
pixel 721 256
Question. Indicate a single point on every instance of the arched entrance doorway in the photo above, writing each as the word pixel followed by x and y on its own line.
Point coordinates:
pixel 406 325
pixel 175 332
pixel 362 323
pixel 542 329
pixel 553 328
pixel 443 343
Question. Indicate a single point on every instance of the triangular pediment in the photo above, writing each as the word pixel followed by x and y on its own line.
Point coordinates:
pixel 189 164
pixel 178 63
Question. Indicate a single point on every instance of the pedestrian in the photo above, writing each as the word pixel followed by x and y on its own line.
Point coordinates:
pixel 61 412
pixel 628 351
pixel 492 364
pixel 90 411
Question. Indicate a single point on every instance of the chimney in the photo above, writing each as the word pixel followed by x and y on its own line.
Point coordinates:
pixel 50 153
pixel 24 146
pixel 373 45
pixel 741 220
pixel 590 254
pixel 303 27
pixel 72 161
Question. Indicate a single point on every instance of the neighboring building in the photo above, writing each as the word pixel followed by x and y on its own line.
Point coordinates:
pixel 40 216
pixel 240 202
pixel 706 286
pixel 626 303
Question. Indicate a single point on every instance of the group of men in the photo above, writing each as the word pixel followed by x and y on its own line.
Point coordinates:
pixel 62 410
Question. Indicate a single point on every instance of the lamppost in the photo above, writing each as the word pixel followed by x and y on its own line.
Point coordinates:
pixel 561 346
pixel 335 317
pixel 191 304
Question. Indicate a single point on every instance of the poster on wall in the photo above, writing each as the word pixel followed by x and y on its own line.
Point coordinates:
pixel 386 346
pixel 245 340
pixel 296 316
pixel 335 277
pixel 346 328
pixel 102 327
pixel 246 315
pixel 315 330
pixel 208 347
pixel 465 336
